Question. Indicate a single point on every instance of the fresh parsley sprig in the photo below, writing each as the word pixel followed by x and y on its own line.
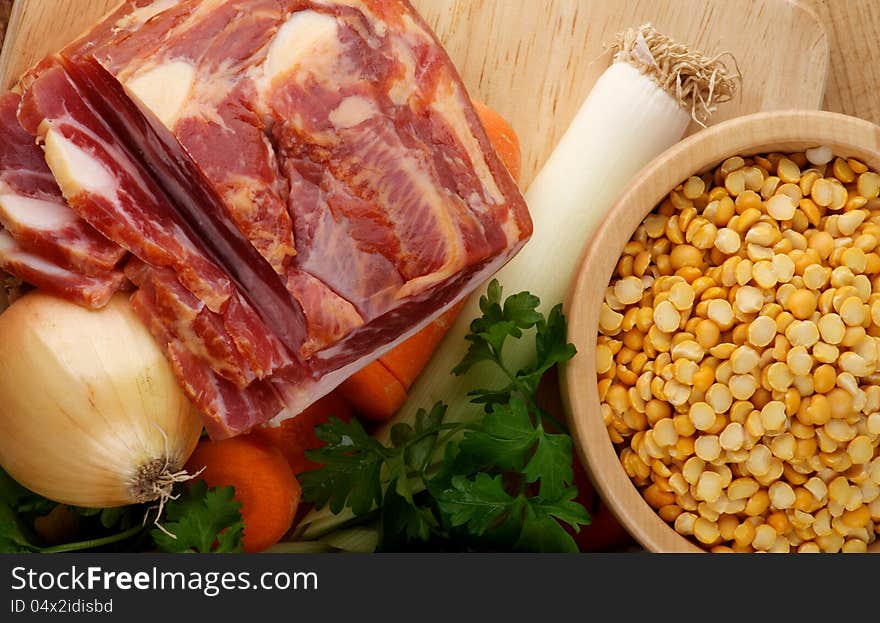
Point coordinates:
pixel 197 519
pixel 505 477
pixel 201 520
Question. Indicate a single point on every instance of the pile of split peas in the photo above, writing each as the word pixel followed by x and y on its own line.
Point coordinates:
pixel 738 355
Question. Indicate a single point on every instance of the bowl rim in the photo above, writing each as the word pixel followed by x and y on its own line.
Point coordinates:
pixel 786 130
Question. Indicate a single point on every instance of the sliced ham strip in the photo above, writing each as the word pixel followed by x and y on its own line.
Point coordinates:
pixel 232 408
pixel 108 189
pixel 185 197
pixel 92 292
pixel 33 211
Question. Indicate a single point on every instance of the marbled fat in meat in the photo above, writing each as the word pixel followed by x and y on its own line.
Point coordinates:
pixel 343 146
pixel 110 190
pixel 46 232
pixel 93 292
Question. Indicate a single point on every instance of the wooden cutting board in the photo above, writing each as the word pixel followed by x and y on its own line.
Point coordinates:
pixel 535 60
pixel 854 72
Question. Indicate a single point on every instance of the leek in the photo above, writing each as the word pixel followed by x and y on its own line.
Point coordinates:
pixel 640 106
pixel 355 540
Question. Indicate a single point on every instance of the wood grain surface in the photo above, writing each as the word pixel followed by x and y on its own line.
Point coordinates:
pixel 5 10
pixel 853 29
pixel 535 61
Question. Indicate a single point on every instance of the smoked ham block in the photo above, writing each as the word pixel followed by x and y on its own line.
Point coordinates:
pixel 302 183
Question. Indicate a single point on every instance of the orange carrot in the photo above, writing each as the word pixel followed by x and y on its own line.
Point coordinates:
pixel 406 360
pixel 296 435
pixel 377 391
pixel 374 392
pixel 264 484
pixel 502 136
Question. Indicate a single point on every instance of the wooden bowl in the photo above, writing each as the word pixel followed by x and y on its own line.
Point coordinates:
pixel 784 131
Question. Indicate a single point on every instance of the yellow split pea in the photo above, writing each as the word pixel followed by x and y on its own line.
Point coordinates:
pixel 739 355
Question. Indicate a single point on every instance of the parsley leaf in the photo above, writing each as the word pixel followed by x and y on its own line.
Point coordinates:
pixel 522 310
pixel 21 500
pixel 541 530
pixel 541 533
pixel 477 503
pixel 504 483
pixel 17 502
pixel 551 348
pixel 490 331
pixel 403 521
pixel 422 440
pixel 504 437
pixel 112 517
pixel 507 439
pixel 550 339
pixel 351 473
pixel 121 517
pixel 202 520
pixel 483 504
pixel 12 539
pixel 563 508
pixel 551 463
pixel 478 351
pixel 490 397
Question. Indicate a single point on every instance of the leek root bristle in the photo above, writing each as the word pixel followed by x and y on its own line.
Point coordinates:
pixel 699 83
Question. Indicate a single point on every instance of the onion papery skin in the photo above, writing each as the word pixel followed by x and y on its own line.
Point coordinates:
pixel 87 399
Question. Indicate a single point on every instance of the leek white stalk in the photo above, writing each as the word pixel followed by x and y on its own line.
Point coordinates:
pixel 357 539
pixel 90 411
pixel 640 106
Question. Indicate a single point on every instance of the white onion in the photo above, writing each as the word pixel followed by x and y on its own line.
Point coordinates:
pixel 90 411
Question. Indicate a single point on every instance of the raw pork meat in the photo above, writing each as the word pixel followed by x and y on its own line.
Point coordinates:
pixel 45 242
pixel 334 136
